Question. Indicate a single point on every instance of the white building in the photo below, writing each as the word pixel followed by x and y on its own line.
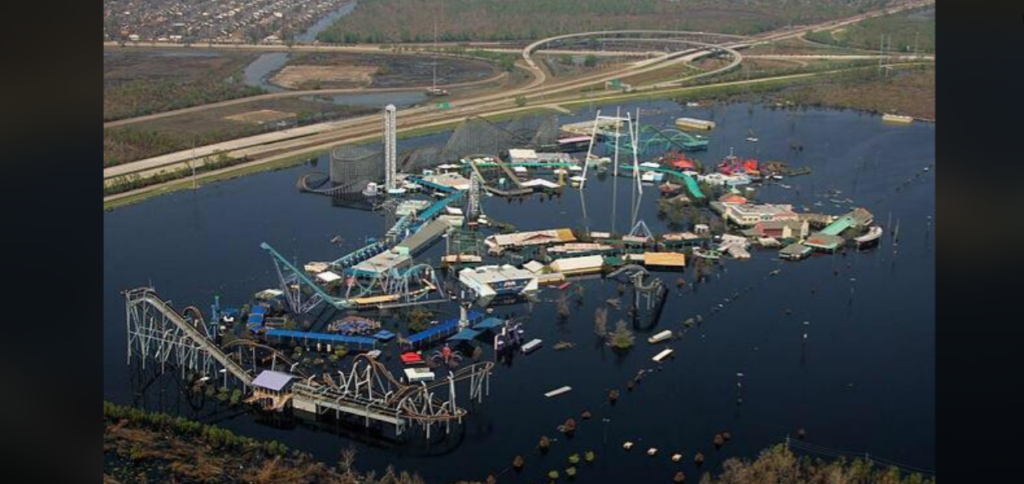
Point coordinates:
pixel 748 214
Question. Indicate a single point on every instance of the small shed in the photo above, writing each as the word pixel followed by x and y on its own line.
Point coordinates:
pixel 275 382
pixel 328 277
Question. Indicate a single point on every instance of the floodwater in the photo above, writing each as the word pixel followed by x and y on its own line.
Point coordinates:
pixel 310 34
pixel 861 380
pixel 257 74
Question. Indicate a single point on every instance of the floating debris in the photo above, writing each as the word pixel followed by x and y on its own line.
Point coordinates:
pixel 563 345
pixel 653 451
pixel 558 391
pixel 569 427
pixel 677 457
pixel 698 459
pixel 679 478
pixel 627 445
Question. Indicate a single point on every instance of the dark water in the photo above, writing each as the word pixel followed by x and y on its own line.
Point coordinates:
pixel 257 73
pixel 863 381
pixel 310 34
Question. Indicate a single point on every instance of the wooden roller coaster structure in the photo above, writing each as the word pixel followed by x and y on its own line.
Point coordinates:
pixel 371 393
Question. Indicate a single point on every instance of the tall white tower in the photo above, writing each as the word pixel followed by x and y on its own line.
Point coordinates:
pixel 390 148
pixel 474 197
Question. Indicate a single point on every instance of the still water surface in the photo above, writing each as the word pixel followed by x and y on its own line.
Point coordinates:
pixel 863 380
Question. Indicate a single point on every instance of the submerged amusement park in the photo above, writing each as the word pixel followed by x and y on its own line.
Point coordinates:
pixel 655 286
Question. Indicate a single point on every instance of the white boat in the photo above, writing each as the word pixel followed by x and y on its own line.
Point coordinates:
pixel 531 346
pixel 558 391
pixel 662 336
pixel 658 358
pixel 752 139
pixel 874 233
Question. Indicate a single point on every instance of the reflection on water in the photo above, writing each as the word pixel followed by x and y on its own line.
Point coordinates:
pixel 257 74
pixel 310 34
pixel 862 379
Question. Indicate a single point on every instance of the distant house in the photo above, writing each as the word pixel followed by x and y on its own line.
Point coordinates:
pixel 732 198
pixel 825 242
pixel 795 251
pixel 861 216
pixel 271 389
pixel 746 214
pixel 783 229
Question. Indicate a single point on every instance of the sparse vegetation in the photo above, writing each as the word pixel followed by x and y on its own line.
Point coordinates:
pixel 777 464
pixel 601 321
pixel 377 21
pixel 622 338
pixel 419 319
pixel 906 30
pixel 908 91
pixel 136 83
pixel 141 446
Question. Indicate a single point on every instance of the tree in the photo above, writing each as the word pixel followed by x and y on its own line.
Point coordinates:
pixel 590 60
pixel 563 307
pixel 622 338
pixel 520 101
pixel 601 322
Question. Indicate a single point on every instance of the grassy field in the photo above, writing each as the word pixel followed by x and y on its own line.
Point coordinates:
pixel 140 82
pixel 906 29
pixel 176 133
pixel 463 20
pixel 910 91
pixel 399 70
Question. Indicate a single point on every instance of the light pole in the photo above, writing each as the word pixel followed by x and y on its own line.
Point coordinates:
pixel 606 421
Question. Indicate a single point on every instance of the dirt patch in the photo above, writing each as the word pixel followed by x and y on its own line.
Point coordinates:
pixel 397 70
pixel 335 76
pixel 260 117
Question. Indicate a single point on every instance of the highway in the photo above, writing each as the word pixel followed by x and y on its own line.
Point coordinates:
pixel 539 92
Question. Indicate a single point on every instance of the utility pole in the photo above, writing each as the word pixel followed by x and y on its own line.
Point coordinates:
pixel 192 164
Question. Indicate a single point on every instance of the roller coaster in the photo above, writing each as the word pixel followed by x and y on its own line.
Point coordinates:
pixel 657 140
pixel 388 288
pixel 370 392
pixel 158 333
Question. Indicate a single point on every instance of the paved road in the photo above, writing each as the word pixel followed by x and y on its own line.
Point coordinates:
pixel 288 94
pixel 324 136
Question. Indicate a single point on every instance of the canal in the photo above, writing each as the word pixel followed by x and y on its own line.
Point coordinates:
pixel 863 379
